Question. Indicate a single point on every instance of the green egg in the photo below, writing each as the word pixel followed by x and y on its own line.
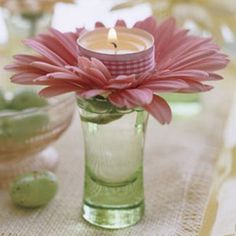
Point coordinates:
pixel 3 131
pixel 34 189
pixel 27 99
pixel 19 128
pixel 3 102
pixel 26 127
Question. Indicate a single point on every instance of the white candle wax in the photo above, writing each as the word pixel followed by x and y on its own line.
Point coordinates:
pixel 128 41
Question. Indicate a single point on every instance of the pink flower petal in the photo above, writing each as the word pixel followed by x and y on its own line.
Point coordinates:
pixel 43 50
pixel 164 34
pixel 59 78
pixel 120 23
pixel 149 24
pixel 213 76
pixel 131 98
pixel 162 85
pixel 101 67
pixel 122 82
pixel 195 86
pixel 186 73
pixel 83 62
pixel 140 97
pixel 159 109
pixel 65 40
pixel 23 68
pixel 25 59
pixel 99 24
pixel 46 67
pixel 52 91
pixel 191 58
pixel 98 75
pixel 24 78
pixel 91 93
pixel 123 79
pixel 62 75
pixel 56 47
pixel 120 100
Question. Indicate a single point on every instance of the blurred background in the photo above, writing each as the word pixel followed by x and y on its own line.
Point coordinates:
pixel 22 18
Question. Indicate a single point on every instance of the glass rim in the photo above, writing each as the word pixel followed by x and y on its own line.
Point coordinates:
pixel 60 100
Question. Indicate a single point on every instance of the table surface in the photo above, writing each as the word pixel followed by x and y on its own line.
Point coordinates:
pixel 189 176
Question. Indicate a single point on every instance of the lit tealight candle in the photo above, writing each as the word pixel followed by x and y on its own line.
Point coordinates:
pixel 124 51
pixel 112 38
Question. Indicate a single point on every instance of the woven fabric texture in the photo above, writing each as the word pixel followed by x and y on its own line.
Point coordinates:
pixel 178 170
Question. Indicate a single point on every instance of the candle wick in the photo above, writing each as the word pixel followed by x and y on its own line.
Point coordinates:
pixel 114 44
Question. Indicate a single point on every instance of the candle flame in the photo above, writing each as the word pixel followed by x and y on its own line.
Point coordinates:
pixel 112 35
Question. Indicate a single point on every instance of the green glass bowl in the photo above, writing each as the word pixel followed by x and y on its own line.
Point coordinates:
pixel 25 135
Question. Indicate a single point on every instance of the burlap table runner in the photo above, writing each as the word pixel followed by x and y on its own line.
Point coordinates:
pixel 179 165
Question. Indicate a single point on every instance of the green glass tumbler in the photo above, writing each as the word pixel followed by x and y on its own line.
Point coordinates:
pixel 113 184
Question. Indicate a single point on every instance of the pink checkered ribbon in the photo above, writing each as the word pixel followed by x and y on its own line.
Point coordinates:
pixel 124 64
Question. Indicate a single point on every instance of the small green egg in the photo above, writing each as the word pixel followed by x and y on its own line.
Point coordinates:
pixel 19 128
pixel 27 99
pixel 3 102
pixel 34 189
pixel 26 127
pixel 3 127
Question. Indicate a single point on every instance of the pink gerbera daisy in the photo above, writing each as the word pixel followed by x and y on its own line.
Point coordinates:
pixel 183 64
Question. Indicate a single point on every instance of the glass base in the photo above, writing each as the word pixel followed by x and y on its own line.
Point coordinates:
pixel 113 218
pixel 113 205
